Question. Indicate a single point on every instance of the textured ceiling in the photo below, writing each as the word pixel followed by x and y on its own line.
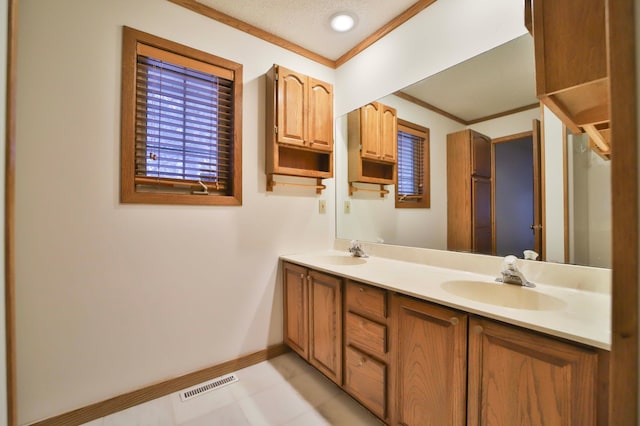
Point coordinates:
pixel 496 81
pixel 306 22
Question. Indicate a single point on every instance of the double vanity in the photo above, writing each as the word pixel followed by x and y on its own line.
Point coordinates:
pixel 422 336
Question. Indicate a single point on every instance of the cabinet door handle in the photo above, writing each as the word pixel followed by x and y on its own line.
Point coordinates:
pixel 302 277
pixel 478 329
pixel 361 290
pixel 454 320
pixel 362 361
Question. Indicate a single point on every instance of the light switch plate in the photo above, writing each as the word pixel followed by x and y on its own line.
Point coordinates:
pixel 322 206
pixel 347 207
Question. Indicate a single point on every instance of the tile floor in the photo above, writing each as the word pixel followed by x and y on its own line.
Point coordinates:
pixel 282 391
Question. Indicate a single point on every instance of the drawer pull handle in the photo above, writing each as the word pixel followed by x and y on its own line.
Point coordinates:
pixel 361 290
pixel 454 320
pixel 362 361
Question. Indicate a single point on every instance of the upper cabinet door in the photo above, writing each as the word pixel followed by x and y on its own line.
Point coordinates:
pixel 388 133
pixel 320 115
pixel 292 109
pixel 370 130
pixel 481 155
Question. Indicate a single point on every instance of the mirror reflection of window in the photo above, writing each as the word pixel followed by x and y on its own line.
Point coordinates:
pixel 412 188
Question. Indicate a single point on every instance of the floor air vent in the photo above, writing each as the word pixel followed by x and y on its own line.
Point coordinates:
pixel 208 386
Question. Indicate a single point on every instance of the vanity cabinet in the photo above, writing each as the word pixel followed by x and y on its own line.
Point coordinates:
pixel 367 355
pixel 430 364
pixel 373 144
pixel 413 362
pixel 521 377
pixel 313 318
pixel 571 65
pixel 469 206
pixel 299 125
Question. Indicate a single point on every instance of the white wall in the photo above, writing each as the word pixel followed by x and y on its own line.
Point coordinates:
pixel 114 297
pixel 376 219
pixel 445 34
pixel 554 187
pixel 589 204
pixel 373 218
pixel 513 124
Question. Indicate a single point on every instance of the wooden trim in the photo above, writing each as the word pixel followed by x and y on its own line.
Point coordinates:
pixel 223 18
pixel 131 39
pixel 9 211
pixel 428 106
pixel 543 188
pixel 494 243
pixel 412 11
pixel 212 13
pixel 148 393
pixel 623 402
pixel 513 137
pixel 504 113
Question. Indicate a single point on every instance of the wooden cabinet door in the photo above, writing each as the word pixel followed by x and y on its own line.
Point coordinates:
pixel 518 377
pixel 481 154
pixel 481 228
pixel 430 359
pixel 370 131
pixel 292 107
pixel 388 133
pixel 296 309
pixel 320 115
pixel 325 320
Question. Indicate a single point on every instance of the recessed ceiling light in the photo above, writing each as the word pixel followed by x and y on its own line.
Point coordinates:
pixel 343 21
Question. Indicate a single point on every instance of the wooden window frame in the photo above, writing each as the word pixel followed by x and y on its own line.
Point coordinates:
pixel 131 40
pixel 423 202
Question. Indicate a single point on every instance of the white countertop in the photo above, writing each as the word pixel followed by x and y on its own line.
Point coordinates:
pixel 579 315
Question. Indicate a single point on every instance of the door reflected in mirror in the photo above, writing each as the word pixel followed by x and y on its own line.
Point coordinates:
pixel 500 114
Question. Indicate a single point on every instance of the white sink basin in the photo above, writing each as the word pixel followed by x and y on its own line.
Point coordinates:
pixel 507 295
pixel 341 260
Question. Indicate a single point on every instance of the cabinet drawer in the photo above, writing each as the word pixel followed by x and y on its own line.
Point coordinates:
pixel 366 300
pixel 365 379
pixel 367 335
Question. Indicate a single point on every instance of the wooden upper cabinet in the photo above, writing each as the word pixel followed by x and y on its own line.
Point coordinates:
pixel 299 126
pixel 305 110
pixel 571 64
pixel 379 132
pixel 518 377
pixel 373 144
pixel 430 364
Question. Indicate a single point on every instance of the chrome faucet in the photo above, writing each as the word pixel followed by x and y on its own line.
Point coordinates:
pixel 356 250
pixel 511 274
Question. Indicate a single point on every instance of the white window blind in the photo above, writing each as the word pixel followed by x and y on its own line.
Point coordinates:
pixel 184 127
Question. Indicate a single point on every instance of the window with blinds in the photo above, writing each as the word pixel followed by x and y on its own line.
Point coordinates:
pixel 180 137
pixel 412 189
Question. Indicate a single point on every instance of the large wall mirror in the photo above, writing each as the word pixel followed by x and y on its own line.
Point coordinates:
pixel 475 94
